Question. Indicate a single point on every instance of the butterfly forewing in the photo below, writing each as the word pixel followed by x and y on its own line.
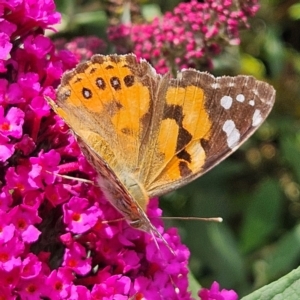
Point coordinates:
pixel 108 102
pixel 210 118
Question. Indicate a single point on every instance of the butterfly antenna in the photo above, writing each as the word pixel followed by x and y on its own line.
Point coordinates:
pixel 73 178
pixel 113 221
pixel 156 234
pixel 213 219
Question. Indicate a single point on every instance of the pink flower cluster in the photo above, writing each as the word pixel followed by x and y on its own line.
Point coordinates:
pixel 53 241
pixel 82 47
pixel 190 36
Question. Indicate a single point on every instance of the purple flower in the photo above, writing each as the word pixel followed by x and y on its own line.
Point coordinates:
pixel 214 293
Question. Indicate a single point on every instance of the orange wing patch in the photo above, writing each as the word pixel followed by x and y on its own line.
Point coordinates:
pixel 184 124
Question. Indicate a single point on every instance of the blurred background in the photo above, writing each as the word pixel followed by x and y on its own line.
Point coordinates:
pixel 255 190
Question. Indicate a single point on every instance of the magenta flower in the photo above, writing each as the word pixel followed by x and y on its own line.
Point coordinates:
pixel 57 193
pixel 10 93
pixel 7 230
pixel 39 46
pixel 5 47
pixel 214 293
pixel 79 292
pixel 6 148
pixel 117 285
pixel 59 283
pixel 17 180
pixel 79 216
pixel 44 167
pixel 76 259
pixel 10 254
pixel 31 267
pixel 9 279
pixel 24 218
pixel 32 288
pixel 11 124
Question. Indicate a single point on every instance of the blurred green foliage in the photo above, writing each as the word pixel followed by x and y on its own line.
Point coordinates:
pixel 256 190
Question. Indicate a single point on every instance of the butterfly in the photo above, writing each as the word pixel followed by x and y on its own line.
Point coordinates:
pixel 147 134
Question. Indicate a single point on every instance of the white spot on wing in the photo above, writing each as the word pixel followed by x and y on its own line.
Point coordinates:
pixel 233 135
pixel 240 98
pixel 251 102
pixel 179 75
pixel 257 118
pixel 226 102
pixel 87 94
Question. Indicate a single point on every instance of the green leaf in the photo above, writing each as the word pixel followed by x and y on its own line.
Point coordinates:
pixel 194 285
pixel 262 215
pixel 150 11
pixel 274 52
pixel 285 288
pixel 294 11
pixel 285 255
pixel 252 65
pixel 290 147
